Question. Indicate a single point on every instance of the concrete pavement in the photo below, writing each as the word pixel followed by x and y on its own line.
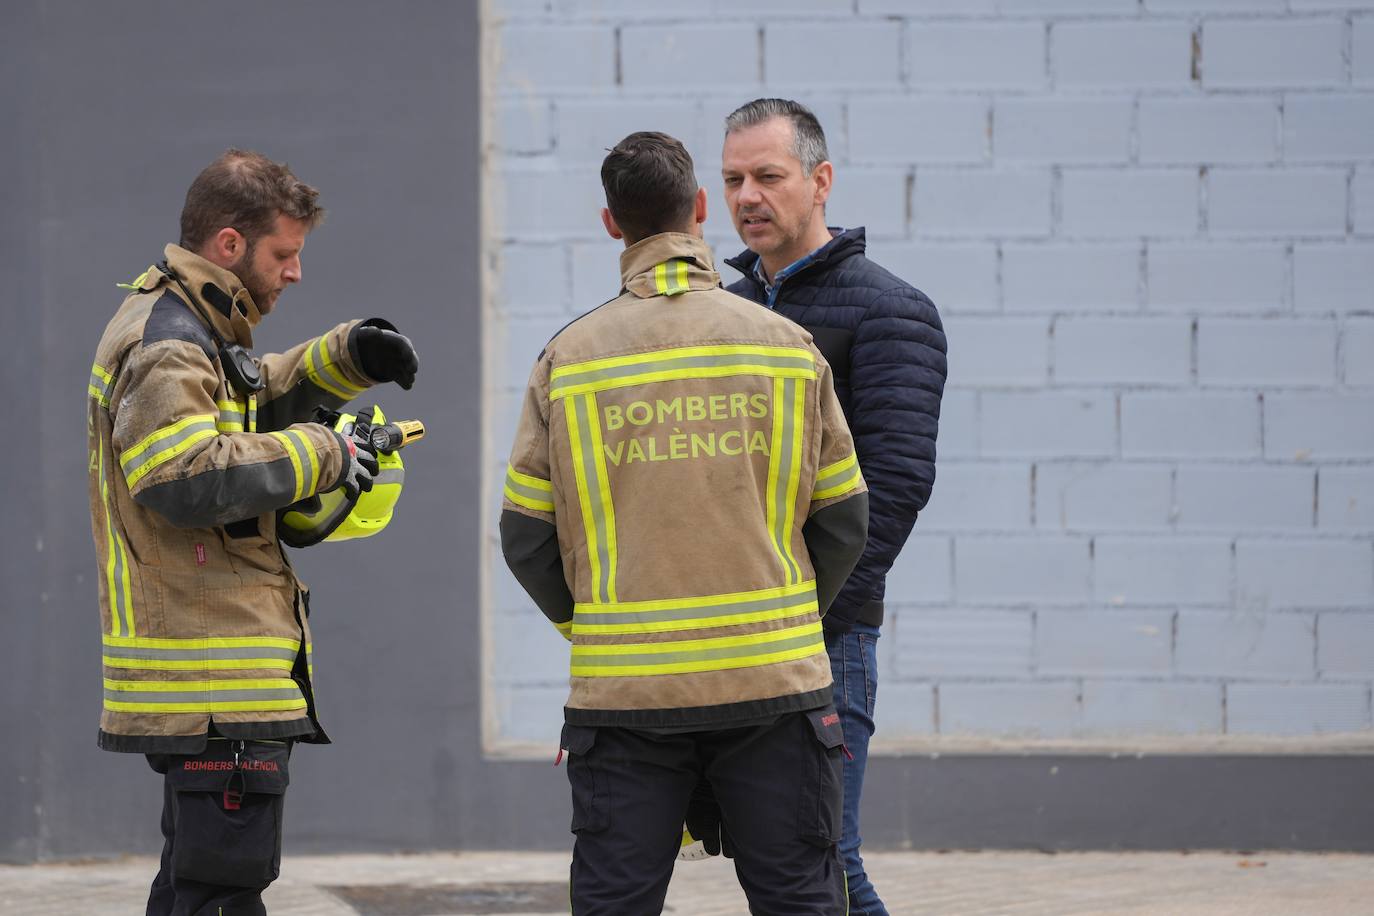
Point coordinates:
pixel 949 884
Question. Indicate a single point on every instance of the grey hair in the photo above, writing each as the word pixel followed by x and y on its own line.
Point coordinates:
pixel 808 140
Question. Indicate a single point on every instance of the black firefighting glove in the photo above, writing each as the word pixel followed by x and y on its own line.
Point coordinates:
pixel 704 823
pixel 360 463
pixel 383 353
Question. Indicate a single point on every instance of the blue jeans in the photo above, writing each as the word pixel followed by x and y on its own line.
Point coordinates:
pixel 854 665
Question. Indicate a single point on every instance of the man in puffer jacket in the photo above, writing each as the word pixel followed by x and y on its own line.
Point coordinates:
pixel 885 345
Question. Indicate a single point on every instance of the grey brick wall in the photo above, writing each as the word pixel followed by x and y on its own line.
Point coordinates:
pixel 1150 227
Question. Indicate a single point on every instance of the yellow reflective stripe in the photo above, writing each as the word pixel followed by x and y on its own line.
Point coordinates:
pixel 678 363
pixel 323 372
pixel 209 706
pixel 252 413
pixel 225 695
pixel 100 385
pixel 743 661
pixel 212 642
pixel 189 664
pixel 565 629
pixel 838 478
pixel 784 464
pixel 695 645
pixel 696 613
pixel 221 684
pixel 622 660
pixel 313 482
pixel 118 584
pixel 594 494
pixel 798 392
pixel 135 283
pixel 634 607
pixel 583 496
pixel 230 417
pixel 801 607
pixel 295 462
pixel 670 277
pixel 527 491
pixel 604 495
pixel 170 441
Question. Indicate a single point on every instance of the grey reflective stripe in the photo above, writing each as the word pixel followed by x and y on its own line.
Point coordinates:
pixel 156 447
pixel 121 598
pixel 390 475
pixel 202 696
pixel 230 418
pixel 703 611
pixel 679 363
pixel 101 389
pixel 842 476
pixel 593 483
pixel 534 493
pixel 212 654
pixel 303 454
pixel 782 533
pixel 579 660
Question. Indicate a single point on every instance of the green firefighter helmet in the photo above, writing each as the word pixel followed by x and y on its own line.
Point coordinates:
pixel 335 516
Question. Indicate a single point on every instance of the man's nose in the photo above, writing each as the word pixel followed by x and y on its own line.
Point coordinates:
pixel 749 193
pixel 292 273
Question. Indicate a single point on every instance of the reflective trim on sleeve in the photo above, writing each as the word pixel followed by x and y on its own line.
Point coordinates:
pixel 696 613
pixel 210 654
pixel 784 470
pixel 670 277
pixel 680 363
pixel 204 696
pixel 838 478
pixel 165 444
pixel 231 417
pixel 303 461
pixel 527 491
pixel 324 372
pixel 565 628
pixel 682 657
pixel 593 493
pixel 100 385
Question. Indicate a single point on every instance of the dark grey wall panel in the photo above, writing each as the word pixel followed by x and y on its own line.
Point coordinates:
pixel 110 110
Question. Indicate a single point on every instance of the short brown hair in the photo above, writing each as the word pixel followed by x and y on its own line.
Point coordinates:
pixel 246 191
pixel 651 185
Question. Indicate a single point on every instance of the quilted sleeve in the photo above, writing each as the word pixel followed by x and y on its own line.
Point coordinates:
pixel 897 377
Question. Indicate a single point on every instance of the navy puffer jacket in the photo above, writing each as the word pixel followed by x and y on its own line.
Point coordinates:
pixel 886 348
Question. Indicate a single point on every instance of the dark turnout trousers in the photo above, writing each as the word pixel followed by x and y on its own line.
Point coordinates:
pixel 779 786
pixel 222 821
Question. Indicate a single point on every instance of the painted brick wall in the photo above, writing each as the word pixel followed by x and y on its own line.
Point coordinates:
pixel 1149 225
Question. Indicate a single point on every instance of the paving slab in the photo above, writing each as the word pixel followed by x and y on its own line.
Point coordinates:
pixel 948 884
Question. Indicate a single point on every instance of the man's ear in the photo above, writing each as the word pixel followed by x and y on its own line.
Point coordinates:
pixel 609 222
pixel 225 248
pixel 699 207
pixel 824 177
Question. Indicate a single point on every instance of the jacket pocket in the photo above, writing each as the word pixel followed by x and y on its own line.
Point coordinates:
pixel 228 818
pixel 251 546
pixel 821 797
pixel 591 805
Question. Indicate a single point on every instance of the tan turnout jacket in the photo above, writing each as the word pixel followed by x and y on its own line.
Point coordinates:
pixel 201 616
pixel 679 437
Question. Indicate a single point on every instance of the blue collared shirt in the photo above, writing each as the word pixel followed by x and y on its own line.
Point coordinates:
pixel 771 289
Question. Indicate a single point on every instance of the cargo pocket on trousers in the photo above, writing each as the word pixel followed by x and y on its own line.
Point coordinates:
pixel 591 807
pixel 229 821
pixel 821 816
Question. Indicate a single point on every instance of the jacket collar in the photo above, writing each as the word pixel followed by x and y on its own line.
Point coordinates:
pixel 667 264
pixel 220 295
pixel 844 244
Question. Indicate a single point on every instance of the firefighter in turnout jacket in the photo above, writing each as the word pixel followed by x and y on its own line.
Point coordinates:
pixel 683 502
pixel 194 444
